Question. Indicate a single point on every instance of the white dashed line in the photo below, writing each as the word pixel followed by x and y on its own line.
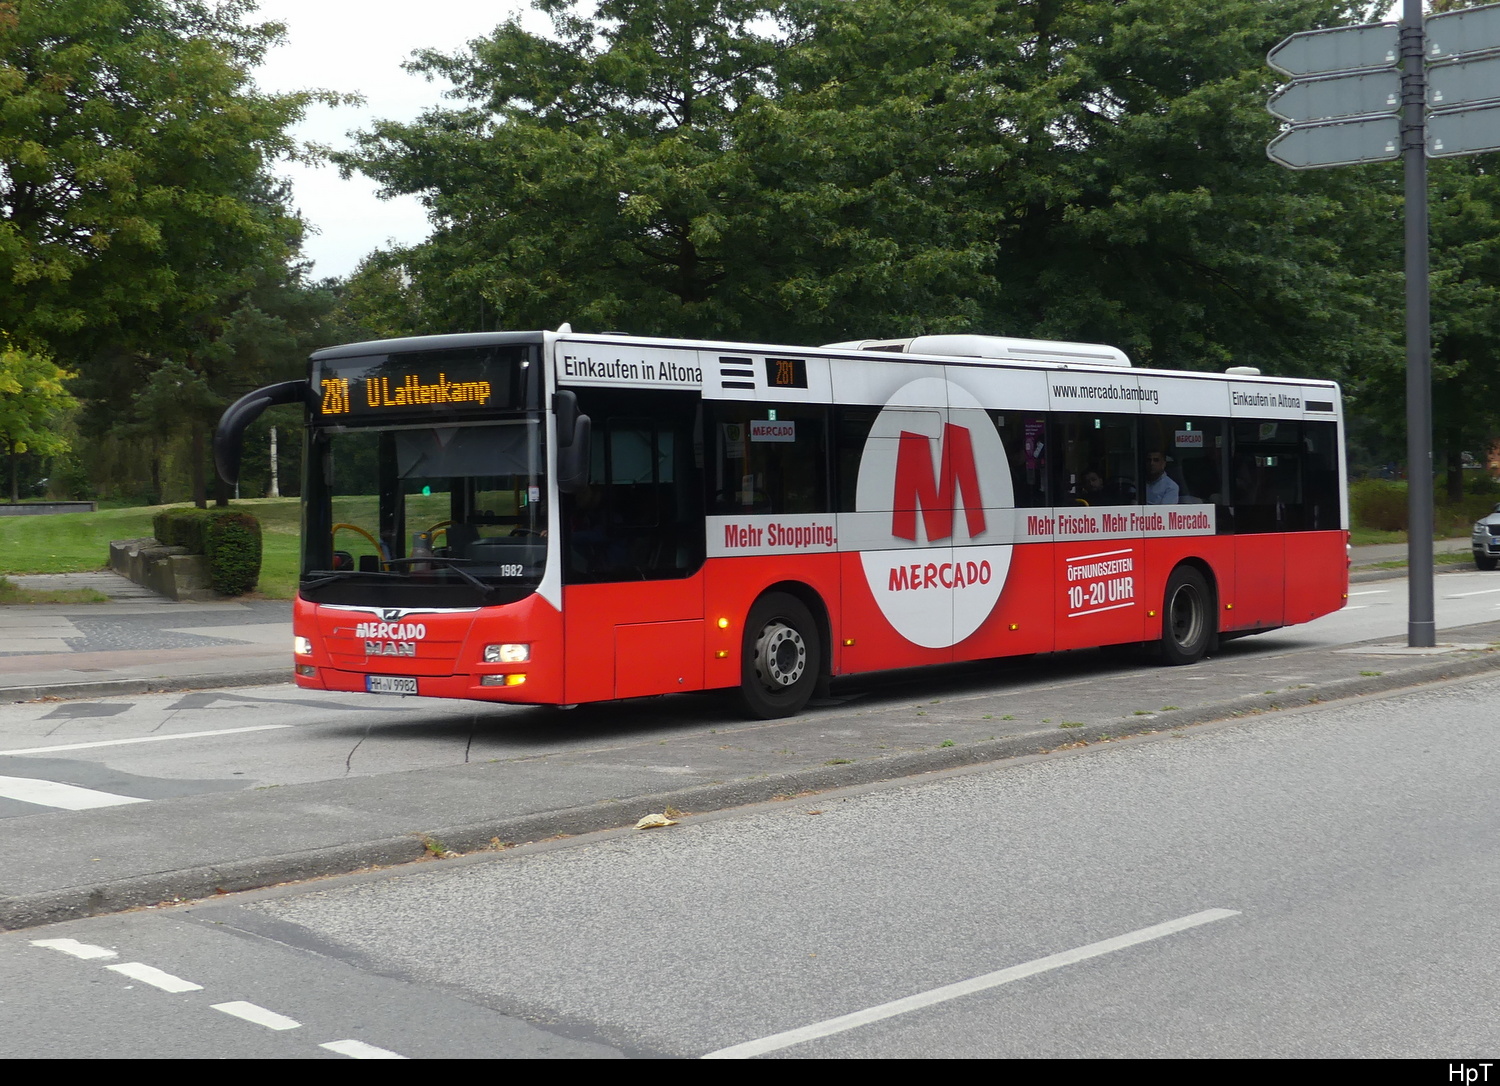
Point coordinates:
pixel 250 1012
pixel 144 739
pixel 69 797
pixel 829 1027
pixel 149 974
pixel 358 1050
pixel 86 951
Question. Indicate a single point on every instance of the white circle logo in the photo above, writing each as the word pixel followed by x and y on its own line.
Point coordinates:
pixel 933 486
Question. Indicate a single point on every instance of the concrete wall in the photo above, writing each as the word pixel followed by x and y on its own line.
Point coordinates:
pixel 41 509
pixel 172 571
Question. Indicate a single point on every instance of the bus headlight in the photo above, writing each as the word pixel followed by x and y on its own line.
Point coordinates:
pixel 507 654
pixel 301 646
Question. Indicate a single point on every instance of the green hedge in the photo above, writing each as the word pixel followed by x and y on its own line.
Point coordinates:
pixel 1381 504
pixel 229 538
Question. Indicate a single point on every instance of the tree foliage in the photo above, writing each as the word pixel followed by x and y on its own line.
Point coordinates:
pixel 34 400
pixel 829 169
pixel 139 222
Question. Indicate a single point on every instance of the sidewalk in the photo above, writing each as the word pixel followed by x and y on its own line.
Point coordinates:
pixel 140 642
pixel 137 642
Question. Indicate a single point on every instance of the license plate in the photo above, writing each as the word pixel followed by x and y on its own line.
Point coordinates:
pixel 390 684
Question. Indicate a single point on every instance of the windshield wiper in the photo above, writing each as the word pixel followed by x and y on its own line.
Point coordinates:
pixel 455 564
pixel 329 576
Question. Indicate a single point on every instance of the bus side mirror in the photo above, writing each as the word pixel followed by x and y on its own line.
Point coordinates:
pixel 573 432
pixel 229 435
pixel 573 458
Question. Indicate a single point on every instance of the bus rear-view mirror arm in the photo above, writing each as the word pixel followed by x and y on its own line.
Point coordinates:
pixel 573 433
pixel 229 435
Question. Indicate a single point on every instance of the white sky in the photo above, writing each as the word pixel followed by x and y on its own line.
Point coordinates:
pixel 357 46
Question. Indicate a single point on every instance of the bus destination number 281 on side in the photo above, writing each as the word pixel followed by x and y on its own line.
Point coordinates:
pixel 557 518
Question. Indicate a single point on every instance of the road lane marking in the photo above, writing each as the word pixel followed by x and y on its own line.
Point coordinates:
pixel 69 797
pixel 1371 592
pixel 142 739
pixel 843 1023
pixel 1462 595
pixel 358 1050
pixel 250 1012
pixel 149 974
pixel 86 951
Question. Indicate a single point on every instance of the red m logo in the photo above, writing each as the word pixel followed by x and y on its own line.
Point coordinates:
pixel 916 485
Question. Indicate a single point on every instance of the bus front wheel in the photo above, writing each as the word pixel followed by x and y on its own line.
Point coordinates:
pixel 1187 622
pixel 781 657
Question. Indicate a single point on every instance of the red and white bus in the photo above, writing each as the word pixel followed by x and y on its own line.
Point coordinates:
pixel 556 518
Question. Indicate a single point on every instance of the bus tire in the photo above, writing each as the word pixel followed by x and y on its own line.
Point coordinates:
pixel 1187 618
pixel 781 657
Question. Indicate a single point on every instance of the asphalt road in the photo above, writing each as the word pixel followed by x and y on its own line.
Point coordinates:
pixel 1312 883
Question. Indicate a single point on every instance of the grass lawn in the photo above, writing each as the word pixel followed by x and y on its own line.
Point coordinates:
pixel 76 542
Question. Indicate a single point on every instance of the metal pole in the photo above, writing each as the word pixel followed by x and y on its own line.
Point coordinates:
pixel 1421 628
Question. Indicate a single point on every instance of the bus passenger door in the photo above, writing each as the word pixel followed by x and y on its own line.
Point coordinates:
pixel 633 552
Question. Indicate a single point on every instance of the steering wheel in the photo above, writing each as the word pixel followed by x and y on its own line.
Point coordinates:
pixel 523 531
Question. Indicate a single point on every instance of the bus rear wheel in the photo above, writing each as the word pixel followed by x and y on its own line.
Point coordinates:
pixel 1187 618
pixel 781 657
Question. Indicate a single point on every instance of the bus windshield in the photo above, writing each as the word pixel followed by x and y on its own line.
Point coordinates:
pixel 448 515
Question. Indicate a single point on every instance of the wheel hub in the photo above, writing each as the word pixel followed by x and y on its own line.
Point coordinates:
pixel 1186 616
pixel 780 656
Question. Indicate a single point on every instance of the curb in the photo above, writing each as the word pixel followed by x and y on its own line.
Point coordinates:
pixel 105 688
pixel 207 881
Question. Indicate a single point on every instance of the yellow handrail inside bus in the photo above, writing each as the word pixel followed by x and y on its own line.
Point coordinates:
pixel 373 541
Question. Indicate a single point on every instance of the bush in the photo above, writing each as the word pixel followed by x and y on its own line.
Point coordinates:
pixel 180 527
pixel 233 549
pixel 229 538
pixel 1381 504
pixel 1378 504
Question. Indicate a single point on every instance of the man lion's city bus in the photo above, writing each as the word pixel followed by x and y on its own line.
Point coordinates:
pixel 556 518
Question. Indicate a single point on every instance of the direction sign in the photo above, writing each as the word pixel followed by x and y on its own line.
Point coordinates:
pixel 1344 143
pixel 1464 131
pixel 1454 33
pixel 1461 82
pixel 1342 49
pixel 1354 95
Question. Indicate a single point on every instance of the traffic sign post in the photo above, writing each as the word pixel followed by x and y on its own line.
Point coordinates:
pixel 1342 49
pixel 1464 131
pixel 1375 93
pixel 1337 96
pixel 1455 33
pixel 1342 143
pixel 1462 82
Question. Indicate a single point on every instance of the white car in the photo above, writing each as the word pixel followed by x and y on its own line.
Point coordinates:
pixel 1486 540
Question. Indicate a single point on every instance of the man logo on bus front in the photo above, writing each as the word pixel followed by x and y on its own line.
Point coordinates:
pixel 935 587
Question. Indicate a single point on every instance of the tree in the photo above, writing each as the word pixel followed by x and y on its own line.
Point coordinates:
pixel 1109 156
pixel 1075 169
pixel 590 176
pixel 131 144
pixel 34 401
pixel 139 220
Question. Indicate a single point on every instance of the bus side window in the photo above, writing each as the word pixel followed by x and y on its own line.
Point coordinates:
pixel 768 459
pixel 1085 443
pixel 1024 438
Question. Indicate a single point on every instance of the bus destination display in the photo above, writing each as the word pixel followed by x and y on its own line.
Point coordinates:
pixel 390 386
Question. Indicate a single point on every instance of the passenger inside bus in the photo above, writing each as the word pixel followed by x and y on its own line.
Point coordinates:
pixel 1161 488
